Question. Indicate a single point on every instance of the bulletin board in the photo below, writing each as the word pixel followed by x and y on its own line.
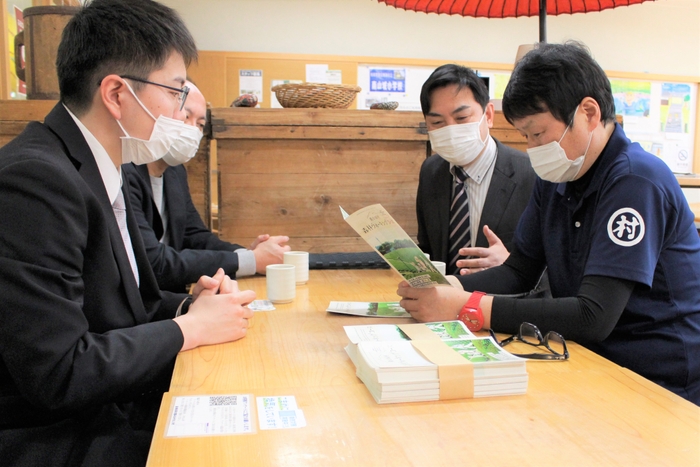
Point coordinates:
pixel 217 74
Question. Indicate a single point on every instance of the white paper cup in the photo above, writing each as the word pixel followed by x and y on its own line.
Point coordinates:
pixel 281 283
pixel 440 266
pixel 427 255
pixel 300 260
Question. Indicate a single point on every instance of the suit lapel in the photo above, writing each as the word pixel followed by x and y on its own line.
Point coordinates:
pixel 443 201
pixel 175 205
pixel 497 198
pixel 149 289
pixel 62 124
pixel 157 221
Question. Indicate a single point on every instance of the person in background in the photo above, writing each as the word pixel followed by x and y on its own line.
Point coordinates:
pixel 607 219
pixel 472 192
pixel 180 247
pixel 87 340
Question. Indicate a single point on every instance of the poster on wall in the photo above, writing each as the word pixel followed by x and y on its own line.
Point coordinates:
pixel 251 82
pixel 658 115
pixel 385 83
pixel 402 84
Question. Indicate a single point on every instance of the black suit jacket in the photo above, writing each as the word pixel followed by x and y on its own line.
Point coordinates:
pixel 193 250
pixel 80 342
pixel 507 196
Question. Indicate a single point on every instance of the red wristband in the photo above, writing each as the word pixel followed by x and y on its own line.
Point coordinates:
pixel 471 314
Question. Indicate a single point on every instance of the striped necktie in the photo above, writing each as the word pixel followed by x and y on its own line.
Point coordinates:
pixel 119 207
pixel 459 219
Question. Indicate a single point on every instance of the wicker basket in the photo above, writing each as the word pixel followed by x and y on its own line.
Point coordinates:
pixel 305 95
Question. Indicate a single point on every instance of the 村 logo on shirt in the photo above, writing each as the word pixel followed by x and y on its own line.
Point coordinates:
pixel 626 227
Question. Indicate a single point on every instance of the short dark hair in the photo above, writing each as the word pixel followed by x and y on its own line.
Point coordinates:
pixel 449 74
pixel 123 37
pixel 556 78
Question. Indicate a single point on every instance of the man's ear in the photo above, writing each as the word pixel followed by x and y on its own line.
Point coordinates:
pixel 110 93
pixel 592 110
pixel 490 114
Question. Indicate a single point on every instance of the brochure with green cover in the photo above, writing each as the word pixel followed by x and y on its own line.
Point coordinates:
pixel 376 226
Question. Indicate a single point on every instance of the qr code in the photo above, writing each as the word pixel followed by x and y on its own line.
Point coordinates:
pixel 223 400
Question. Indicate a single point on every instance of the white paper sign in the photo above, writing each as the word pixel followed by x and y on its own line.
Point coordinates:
pixel 316 73
pixel 210 415
pixel 279 412
pixel 334 77
pixel 251 82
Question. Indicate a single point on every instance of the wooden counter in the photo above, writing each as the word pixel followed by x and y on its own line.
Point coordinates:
pixel 583 412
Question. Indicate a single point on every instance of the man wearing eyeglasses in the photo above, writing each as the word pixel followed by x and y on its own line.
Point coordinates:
pixel 179 246
pixel 606 218
pixel 87 340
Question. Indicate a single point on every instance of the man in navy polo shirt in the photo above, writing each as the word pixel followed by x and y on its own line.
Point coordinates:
pixel 608 219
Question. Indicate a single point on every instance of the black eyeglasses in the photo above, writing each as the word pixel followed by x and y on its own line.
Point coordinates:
pixel 530 334
pixel 182 93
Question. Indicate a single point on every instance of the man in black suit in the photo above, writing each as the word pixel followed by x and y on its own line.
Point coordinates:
pixel 458 115
pixel 87 340
pixel 179 246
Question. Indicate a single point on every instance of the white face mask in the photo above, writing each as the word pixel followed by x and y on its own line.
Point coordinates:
pixel 185 147
pixel 165 132
pixel 458 144
pixel 550 162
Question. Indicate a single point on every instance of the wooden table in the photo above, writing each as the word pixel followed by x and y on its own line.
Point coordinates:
pixel 583 412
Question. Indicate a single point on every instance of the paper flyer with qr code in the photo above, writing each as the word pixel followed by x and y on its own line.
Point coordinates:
pixel 210 415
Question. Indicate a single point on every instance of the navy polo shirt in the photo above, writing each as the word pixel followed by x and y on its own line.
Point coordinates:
pixel 630 222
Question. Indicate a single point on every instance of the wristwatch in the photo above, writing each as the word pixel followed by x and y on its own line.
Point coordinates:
pixel 471 314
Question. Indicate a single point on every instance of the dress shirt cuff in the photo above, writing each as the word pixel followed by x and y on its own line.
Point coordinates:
pixel 246 263
pixel 184 307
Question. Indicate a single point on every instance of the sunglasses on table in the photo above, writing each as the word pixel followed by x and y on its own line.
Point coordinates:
pixel 529 334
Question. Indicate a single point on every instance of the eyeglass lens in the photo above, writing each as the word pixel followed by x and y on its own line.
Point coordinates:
pixel 555 342
pixel 530 334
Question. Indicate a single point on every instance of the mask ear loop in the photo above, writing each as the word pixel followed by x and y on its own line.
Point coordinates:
pixel 570 125
pixel 128 86
pixel 139 101
pixel 483 117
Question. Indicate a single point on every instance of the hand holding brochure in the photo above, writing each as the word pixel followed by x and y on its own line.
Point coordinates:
pixel 376 226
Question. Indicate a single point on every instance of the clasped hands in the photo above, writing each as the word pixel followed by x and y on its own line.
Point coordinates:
pixel 269 250
pixel 218 312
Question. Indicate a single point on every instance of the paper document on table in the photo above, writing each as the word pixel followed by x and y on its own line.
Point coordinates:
pixel 279 412
pixel 224 414
pixel 376 226
pixel 369 309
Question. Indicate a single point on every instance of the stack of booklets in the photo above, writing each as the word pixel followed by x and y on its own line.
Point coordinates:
pixel 432 361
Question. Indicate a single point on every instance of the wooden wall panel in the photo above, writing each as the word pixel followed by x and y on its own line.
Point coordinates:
pixel 273 182
pixel 295 188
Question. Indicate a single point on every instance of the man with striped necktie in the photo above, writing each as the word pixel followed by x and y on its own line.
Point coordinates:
pixel 472 192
